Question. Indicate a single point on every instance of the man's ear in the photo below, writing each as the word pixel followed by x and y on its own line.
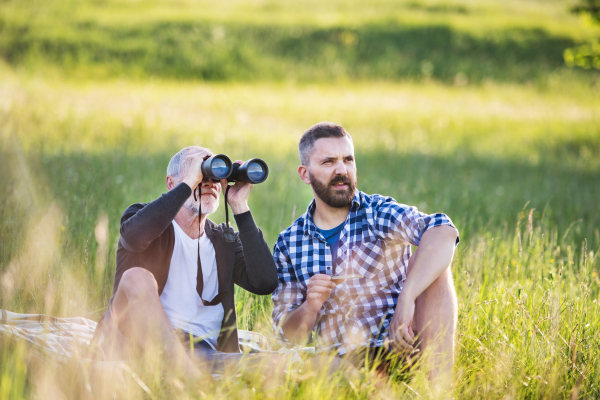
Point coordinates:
pixel 170 183
pixel 304 174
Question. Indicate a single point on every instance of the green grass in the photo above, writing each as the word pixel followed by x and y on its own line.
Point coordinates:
pixel 489 157
pixel 92 108
pixel 306 42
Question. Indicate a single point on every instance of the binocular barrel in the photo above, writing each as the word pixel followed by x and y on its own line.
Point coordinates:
pixel 217 167
pixel 220 166
pixel 254 170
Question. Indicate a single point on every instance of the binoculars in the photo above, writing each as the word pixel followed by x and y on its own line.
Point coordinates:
pixel 219 167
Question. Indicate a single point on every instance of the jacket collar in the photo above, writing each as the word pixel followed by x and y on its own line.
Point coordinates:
pixel 224 254
pixel 310 229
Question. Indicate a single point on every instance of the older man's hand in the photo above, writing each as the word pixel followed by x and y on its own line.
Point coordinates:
pixel 238 194
pixel 191 172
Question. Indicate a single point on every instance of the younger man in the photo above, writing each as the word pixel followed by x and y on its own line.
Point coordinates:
pixel 347 232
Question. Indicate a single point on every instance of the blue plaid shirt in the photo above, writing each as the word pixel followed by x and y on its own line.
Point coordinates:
pixel 374 243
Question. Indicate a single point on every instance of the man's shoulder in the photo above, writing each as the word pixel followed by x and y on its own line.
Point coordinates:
pixel 135 207
pixel 132 210
pixel 377 200
pixel 369 199
pixel 376 207
pixel 297 227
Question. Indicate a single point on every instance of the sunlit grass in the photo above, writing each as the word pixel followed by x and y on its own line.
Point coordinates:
pixel 408 117
pixel 76 153
pixel 466 108
pixel 472 16
pixel 449 41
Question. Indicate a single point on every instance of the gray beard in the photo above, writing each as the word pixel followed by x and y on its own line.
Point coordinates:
pixel 209 205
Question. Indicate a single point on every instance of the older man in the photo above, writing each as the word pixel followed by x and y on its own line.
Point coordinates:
pixel 176 270
pixel 346 275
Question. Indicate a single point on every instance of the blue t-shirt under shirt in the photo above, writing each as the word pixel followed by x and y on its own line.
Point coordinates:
pixel 332 236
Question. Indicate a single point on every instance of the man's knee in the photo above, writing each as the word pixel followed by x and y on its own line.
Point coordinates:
pixel 138 282
pixel 438 301
pixel 445 283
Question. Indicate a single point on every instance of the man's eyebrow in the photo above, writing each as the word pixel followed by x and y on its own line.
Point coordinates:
pixel 331 158
pixel 328 158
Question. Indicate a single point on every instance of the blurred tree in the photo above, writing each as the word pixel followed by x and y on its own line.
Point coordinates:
pixel 590 7
pixel 587 55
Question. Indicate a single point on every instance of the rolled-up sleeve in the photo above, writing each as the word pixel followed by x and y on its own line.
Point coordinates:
pixel 405 223
pixel 289 294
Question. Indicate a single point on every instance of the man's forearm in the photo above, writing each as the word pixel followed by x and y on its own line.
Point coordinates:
pixel 298 324
pixel 239 208
pixel 254 268
pixel 139 230
pixel 433 257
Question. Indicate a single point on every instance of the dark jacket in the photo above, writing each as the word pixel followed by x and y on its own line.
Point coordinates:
pixel 148 238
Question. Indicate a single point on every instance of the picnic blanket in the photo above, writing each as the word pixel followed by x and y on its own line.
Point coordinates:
pixel 62 338
pixel 58 337
pixel 47 335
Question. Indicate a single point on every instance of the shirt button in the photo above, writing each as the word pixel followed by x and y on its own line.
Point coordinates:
pixel 328 267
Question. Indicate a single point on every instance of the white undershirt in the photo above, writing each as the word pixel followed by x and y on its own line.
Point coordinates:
pixel 180 299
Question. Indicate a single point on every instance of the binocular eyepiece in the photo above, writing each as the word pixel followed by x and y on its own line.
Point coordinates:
pixel 219 167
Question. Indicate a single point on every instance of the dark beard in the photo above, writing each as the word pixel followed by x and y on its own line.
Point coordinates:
pixel 333 197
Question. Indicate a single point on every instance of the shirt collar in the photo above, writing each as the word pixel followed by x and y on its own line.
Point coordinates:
pixel 309 225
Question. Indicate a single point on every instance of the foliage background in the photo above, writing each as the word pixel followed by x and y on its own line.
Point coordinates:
pixel 462 107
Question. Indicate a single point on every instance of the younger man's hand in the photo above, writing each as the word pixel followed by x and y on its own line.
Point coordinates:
pixel 318 291
pixel 400 329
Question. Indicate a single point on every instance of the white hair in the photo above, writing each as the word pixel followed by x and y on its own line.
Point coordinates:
pixel 174 167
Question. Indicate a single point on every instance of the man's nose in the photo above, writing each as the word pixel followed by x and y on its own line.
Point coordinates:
pixel 340 168
pixel 207 183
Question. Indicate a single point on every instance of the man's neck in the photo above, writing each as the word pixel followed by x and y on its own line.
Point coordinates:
pixel 188 221
pixel 327 217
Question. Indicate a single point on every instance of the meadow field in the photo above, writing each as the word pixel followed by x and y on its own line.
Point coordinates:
pixel 461 107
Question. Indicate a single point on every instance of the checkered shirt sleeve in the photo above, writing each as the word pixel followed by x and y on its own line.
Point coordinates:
pixel 289 294
pixel 405 224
